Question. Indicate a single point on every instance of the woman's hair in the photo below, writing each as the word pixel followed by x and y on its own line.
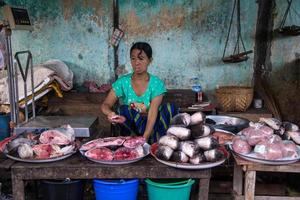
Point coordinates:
pixel 143 46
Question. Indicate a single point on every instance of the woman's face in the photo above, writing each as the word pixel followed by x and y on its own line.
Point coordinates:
pixel 139 61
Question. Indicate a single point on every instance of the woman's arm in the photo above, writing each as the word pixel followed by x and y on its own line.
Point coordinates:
pixel 152 115
pixel 106 106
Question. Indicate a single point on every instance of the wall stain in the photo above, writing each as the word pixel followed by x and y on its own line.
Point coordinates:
pixel 68 9
pixel 165 20
pixel 99 11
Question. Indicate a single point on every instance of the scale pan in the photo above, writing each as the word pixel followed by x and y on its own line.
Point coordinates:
pixel 235 59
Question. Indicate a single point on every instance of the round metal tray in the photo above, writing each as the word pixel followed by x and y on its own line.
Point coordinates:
pixel 40 160
pixel 146 148
pixel 228 123
pixel 204 165
pixel 252 157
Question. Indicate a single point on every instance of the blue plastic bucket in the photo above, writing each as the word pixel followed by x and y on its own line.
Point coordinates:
pixel 116 189
pixel 4 125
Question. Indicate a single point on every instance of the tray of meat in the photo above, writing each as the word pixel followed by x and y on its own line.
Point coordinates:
pixel 179 159
pixel 223 137
pixel 49 146
pixel 265 144
pixel 190 143
pixel 116 150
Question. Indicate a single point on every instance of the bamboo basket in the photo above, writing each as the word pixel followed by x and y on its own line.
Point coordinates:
pixel 234 98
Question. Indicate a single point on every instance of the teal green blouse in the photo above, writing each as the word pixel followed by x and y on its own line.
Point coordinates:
pixel 124 91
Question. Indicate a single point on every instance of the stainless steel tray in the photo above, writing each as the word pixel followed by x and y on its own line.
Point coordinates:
pixel 146 148
pixel 227 123
pixel 40 160
pixel 252 157
pixel 204 165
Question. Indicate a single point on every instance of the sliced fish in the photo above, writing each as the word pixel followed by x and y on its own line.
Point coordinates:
pixel 207 143
pixel 213 155
pixel 294 135
pixel 179 156
pixel 200 130
pixel 181 119
pixel 164 152
pixel 197 159
pixel 169 140
pixel 272 122
pixel 63 135
pixel 288 126
pixel 180 132
pixel 197 118
pixel 189 148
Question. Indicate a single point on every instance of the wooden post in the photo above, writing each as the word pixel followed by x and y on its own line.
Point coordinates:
pixel 250 177
pixel 237 181
pixel 203 189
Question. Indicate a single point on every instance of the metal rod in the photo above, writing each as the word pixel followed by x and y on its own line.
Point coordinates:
pixel 16 91
pixel 32 86
pixel 24 77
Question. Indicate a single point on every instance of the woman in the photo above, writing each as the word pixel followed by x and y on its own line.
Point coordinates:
pixel 140 94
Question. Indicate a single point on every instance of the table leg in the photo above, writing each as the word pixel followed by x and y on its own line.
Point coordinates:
pixel 237 181
pixel 250 177
pixel 18 188
pixel 203 189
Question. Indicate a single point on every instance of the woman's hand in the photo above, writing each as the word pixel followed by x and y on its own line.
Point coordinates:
pixel 140 107
pixel 114 118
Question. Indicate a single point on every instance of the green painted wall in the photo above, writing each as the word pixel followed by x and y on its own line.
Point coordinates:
pixel 187 37
pixel 75 31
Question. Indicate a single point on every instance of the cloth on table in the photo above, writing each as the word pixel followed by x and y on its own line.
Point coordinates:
pixel 135 123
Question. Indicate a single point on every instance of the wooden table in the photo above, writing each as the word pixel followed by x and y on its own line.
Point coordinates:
pixel 250 169
pixel 78 167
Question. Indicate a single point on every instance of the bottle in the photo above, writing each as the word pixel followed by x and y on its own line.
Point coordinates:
pixel 196 87
pixel 199 95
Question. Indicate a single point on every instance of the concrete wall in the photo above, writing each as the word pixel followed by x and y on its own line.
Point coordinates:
pixel 187 37
pixel 285 59
pixel 75 31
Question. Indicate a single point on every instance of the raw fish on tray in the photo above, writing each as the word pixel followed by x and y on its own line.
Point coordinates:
pixel 100 153
pixel 114 148
pixel 45 146
pixel 62 136
pixel 103 142
pixel 193 145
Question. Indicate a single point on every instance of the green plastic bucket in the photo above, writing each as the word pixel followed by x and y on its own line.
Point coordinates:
pixel 166 190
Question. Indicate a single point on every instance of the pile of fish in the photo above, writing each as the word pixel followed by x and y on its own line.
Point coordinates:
pixel 48 144
pixel 114 148
pixel 189 140
pixel 269 139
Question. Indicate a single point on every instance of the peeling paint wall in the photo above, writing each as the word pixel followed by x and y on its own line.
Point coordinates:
pixel 187 36
pixel 188 39
pixel 75 31
pixel 285 58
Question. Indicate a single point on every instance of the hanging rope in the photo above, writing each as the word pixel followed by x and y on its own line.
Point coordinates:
pixel 236 56
pixel 286 13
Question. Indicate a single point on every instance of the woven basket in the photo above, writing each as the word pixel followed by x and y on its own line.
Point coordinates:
pixel 234 98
